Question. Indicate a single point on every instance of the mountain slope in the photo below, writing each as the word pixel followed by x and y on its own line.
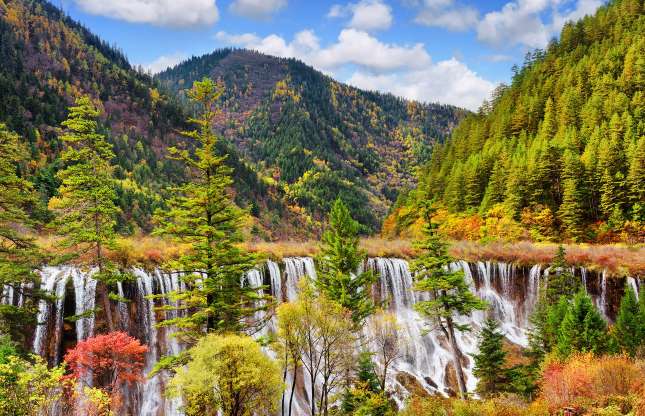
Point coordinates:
pixel 48 60
pixel 317 137
pixel 560 153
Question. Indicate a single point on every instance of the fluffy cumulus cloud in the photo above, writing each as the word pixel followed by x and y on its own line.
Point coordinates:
pixel 163 62
pixel 403 70
pixel 352 47
pixel 449 82
pixel 447 14
pixel 367 15
pixel 257 9
pixel 171 13
pixel 521 21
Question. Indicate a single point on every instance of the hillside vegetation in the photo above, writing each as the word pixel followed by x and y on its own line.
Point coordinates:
pixel 559 153
pixel 316 137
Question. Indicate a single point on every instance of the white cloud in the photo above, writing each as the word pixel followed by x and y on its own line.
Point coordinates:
pixel 171 13
pixel 231 39
pixel 405 71
pixel 257 9
pixel 520 21
pixel 449 82
pixel 366 15
pixel 164 62
pixel 516 23
pixel 352 47
pixel 448 15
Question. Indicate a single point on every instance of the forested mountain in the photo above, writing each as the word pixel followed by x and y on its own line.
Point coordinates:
pixel 49 60
pixel 316 137
pixel 308 137
pixel 560 153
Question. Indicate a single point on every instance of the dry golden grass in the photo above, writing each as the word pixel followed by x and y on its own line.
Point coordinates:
pixel 618 259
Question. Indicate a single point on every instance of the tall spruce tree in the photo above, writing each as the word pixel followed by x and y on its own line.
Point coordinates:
pixel 19 256
pixel 582 329
pixel 202 215
pixel 450 294
pixel 628 330
pixel 490 360
pixel 338 264
pixel 85 208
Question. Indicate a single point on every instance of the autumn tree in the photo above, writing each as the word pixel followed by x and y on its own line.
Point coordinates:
pixel 338 264
pixel 27 386
pixel 449 293
pixel 201 215
pixel 85 208
pixel 111 361
pixel 19 256
pixel 228 374
pixel 386 341
pixel 325 333
pixel 288 346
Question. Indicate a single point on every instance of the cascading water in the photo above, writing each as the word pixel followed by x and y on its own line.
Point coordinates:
pixel 85 293
pixel 426 358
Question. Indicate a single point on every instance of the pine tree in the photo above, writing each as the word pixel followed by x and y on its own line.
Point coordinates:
pixel 19 256
pixel 572 208
pixel 85 207
pixel 490 360
pixel 202 215
pixel 582 329
pixel 561 280
pixel 339 261
pixel 628 330
pixel 450 294
pixel 636 181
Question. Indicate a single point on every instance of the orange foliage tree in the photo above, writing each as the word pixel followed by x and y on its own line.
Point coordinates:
pixel 110 361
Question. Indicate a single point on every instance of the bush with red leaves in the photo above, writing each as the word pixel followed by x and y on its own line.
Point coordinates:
pixel 111 360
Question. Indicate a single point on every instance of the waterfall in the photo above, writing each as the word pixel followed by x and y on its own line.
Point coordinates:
pixel 295 268
pixel 426 359
pixel 50 276
pixel 124 316
pixel 85 294
pixel 151 392
pixel 633 284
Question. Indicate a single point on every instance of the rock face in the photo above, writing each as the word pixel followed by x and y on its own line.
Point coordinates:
pixel 425 362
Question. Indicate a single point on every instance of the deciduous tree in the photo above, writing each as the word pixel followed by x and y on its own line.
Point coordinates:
pixel 228 374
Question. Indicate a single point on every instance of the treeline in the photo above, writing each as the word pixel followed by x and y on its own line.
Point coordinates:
pixel 561 151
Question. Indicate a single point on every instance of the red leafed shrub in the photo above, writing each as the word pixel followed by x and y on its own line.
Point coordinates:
pixel 590 380
pixel 111 360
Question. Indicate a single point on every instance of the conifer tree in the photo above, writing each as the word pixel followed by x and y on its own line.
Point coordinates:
pixel 85 207
pixel 636 180
pixel 561 280
pixel 338 265
pixel 203 216
pixel 19 256
pixel 582 329
pixel 628 330
pixel 490 360
pixel 450 294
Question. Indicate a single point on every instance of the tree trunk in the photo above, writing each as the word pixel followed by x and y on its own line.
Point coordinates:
pixel 284 379
pixel 103 286
pixel 293 386
pixel 456 355
pixel 313 395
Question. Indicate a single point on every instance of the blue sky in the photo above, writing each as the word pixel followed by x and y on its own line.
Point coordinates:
pixel 447 51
